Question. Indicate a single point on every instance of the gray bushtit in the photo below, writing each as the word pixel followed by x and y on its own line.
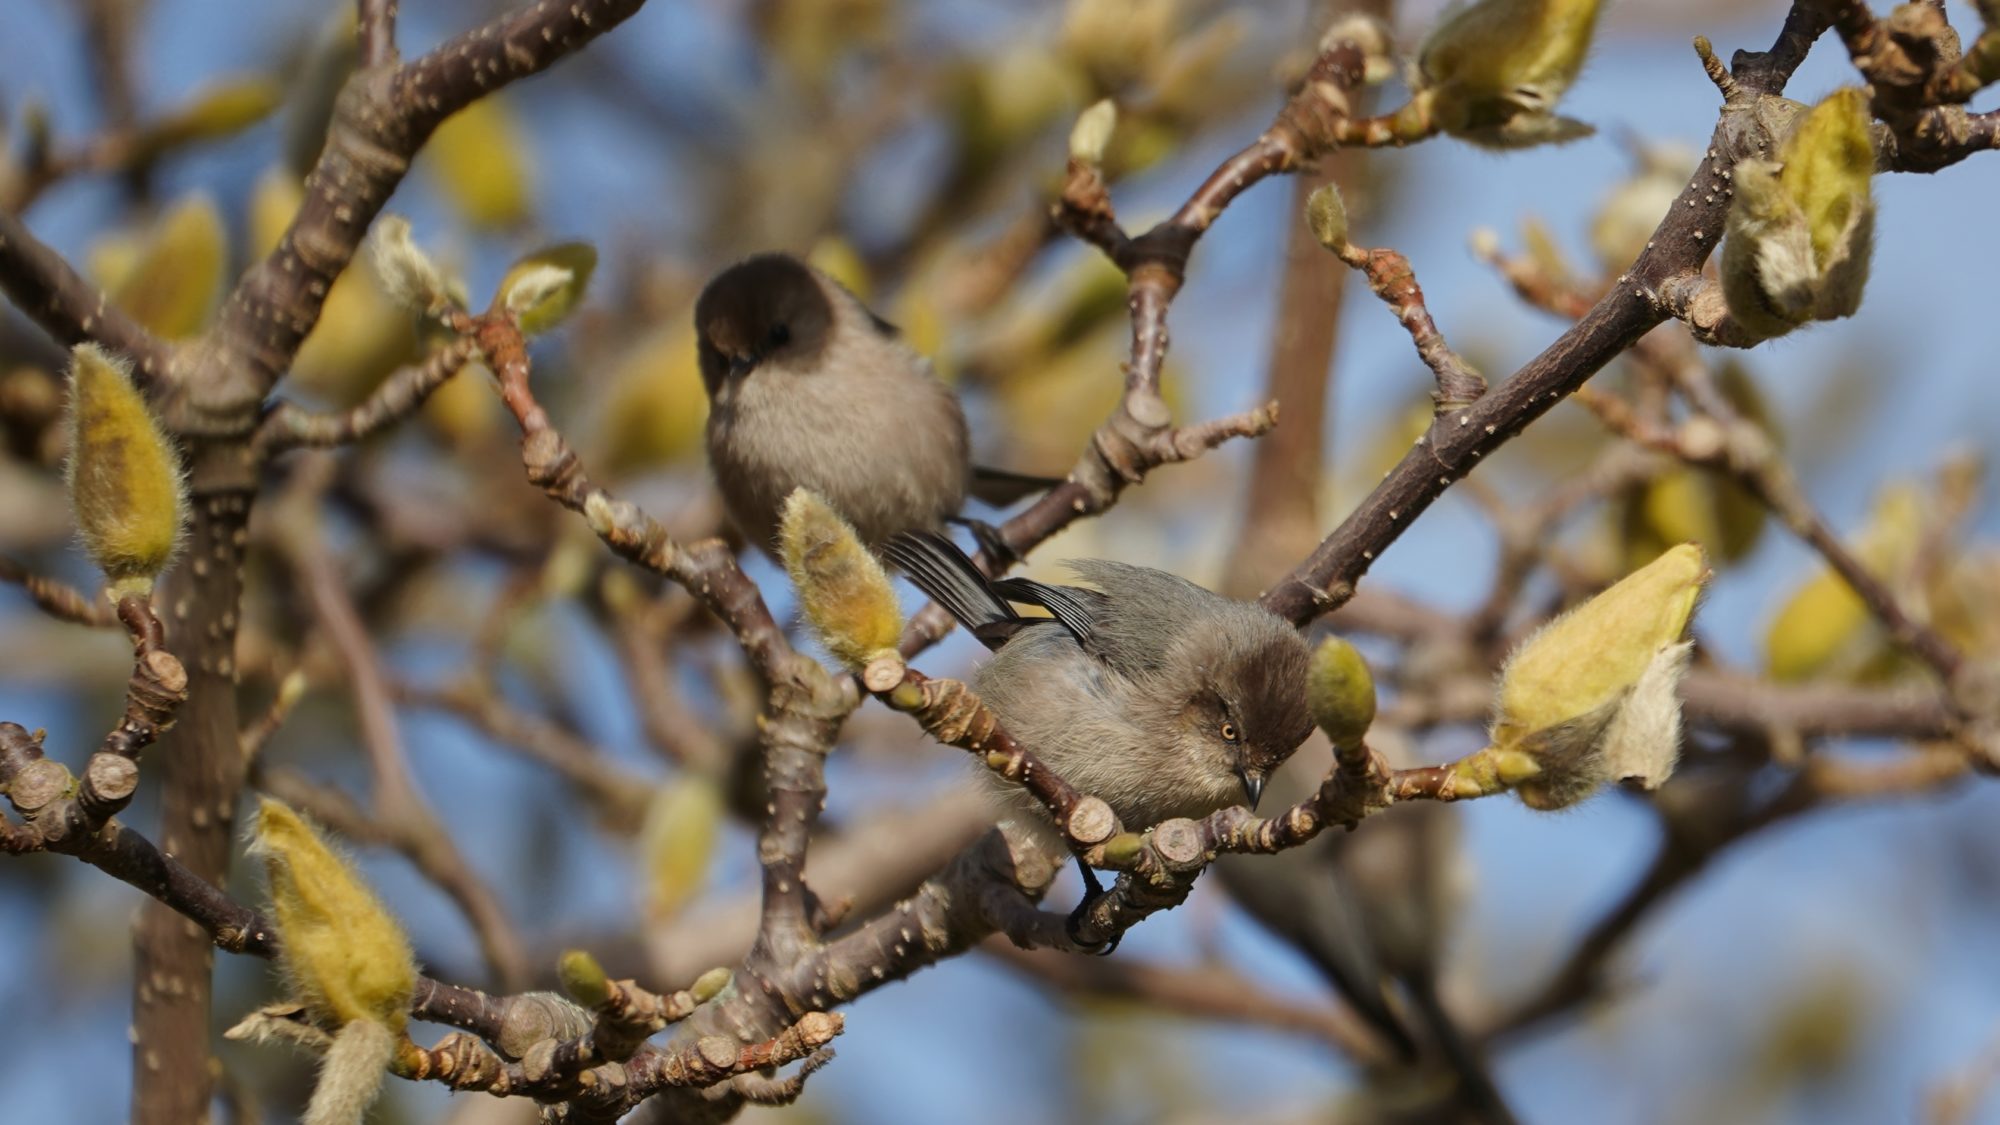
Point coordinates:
pixel 809 389
pixel 1162 698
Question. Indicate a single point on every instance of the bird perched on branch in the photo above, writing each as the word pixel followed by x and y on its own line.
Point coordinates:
pixel 809 389
pixel 1158 696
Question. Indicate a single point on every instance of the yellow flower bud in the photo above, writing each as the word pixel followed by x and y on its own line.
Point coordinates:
pixel 1824 629
pixel 654 405
pixel 583 978
pixel 273 202
pixel 846 596
pixel 1341 691
pixel 1326 214
pixel 1119 42
pixel 1801 229
pixel 478 160
pixel 221 110
pixel 464 412
pixel 173 283
pixel 126 490
pixel 341 949
pixel 1091 134
pixel 543 288
pixel 1492 72
pixel 710 984
pixel 1591 697
pixel 362 335
pixel 1625 222
pixel 837 258
pixel 1197 63
pixel 677 841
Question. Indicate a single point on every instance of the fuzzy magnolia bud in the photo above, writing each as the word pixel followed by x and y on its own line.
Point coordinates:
pixel 1491 73
pixel 1801 229
pixel 174 278
pixel 478 160
pixel 837 258
pixel 1326 214
pixel 1091 134
pixel 1824 629
pixel 1592 697
pixel 221 110
pixel 678 840
pixel 343 952
pixel 1341 691
pixel 126 490
pixel 583 978
pixel 407 273
pixel 846 596
pixel 654 407
pixel 542 289
pixel 1630 213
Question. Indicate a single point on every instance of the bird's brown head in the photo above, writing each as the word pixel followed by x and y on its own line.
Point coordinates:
pixel 770 307
pixel 1251 701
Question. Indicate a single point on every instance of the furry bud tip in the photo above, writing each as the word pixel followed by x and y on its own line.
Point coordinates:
pixel 126 489
pixel 1326 214
pixel 1091 134
pixel 846 596
pixel 409 275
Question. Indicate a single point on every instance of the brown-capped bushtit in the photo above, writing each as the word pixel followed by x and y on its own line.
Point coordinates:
pixel 809 389
pixel 1156 695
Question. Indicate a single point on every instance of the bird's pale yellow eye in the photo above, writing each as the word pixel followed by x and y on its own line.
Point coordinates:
pixel 1229 731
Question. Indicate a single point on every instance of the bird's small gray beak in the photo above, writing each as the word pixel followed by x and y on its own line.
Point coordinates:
pixel 1253 786
pixel 740 365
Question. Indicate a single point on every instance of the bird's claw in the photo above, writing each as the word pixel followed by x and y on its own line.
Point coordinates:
pixel 1073 925
pixel 991 542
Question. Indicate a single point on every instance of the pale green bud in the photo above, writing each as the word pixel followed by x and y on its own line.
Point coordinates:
pixel 1326 214
pixel 1092 132
pixel 542 289
pixel 1592 697
pixel 1801 229
pixel 1341 691
pixel 1493 71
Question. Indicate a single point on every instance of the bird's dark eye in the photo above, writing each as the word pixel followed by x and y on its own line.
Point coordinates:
pixel 1229 731
pixel 778 336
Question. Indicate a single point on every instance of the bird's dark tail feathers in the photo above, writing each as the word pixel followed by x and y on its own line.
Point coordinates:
pixel 936 566
pixel 1001 487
